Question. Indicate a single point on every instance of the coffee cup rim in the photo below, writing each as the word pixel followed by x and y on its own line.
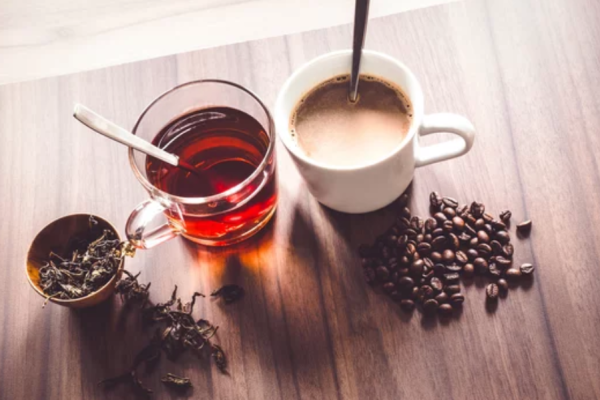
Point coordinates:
pixel 282 117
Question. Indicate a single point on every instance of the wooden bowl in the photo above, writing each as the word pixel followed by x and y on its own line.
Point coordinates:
pixel 55 237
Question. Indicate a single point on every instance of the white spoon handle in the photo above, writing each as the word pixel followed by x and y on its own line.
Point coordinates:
pixel 121 135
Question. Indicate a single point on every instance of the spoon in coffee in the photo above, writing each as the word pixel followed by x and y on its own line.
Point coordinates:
pixel 361 15
pixel 113 131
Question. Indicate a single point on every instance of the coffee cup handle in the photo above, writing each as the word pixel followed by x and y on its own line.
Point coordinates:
pixel 138 222
pixel 444 122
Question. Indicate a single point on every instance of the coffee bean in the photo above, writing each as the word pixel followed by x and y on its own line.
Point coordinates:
pixel 448 255
pixel 425 292
pixel 503 237
pixel 477 209
pixel 457 299
pixel 402 222
pixel 430 306
pixel 383 274
pixel 430 224
pixel 453 268
pixel 513 273
pixel 491 291
pixel 438 232
pixel 498 226
pixel 414 293
pixel 470 220
pixel 496 247
pixel 440 217
pixel 454 242
pixel 435 200
pixel 411 233
pixel 436 256
pixel 480 264
pixel 462 210
pixel 416 223
pixel 464 237
pixel 445 310
pixel 428 262
pixel 441 298
pixel 428 237
pixel 472 254
pixel 451 277
pixel 479 224
pixel 404 261
pixel 452 289
pixel 389 287
pixel 406 283
pixel 403 271
pixel 502 285
pixel 424 248
pixel 505 216
pixel 439 269
pixel 488 217
pixel 468 270
pixel 483 237
pixel 411 248
pixel 474 242
pixel 527 269
pixel 447 226
pixel 401 242
pixel 488 228
pixel 469 229
pixel 459 223
pixel 407 305
pixel 450 202
pixel 524 227
pixel 366 262
pixel 369 275
pixel 395 277
pixel 449 212
pixel 427 273
pixel 416 268
pixel 503 262
pixel 508 250
pixel 494 270
pixel 484 249
pixel 461 257
pixel 436 283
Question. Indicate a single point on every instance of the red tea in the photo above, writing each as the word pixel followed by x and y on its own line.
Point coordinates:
pixel 224 146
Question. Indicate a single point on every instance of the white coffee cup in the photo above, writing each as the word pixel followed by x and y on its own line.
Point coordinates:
pixel 368 187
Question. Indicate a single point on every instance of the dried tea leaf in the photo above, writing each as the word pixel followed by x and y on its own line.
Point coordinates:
pixel 176 381
pixel 229 293
pixel 219 356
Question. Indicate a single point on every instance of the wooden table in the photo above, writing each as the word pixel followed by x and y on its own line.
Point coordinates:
pixel 526 72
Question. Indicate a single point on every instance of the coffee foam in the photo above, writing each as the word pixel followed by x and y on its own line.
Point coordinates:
pixel 330 129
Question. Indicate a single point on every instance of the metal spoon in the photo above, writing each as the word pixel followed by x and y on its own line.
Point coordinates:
pixel 361 15
pixel 113 131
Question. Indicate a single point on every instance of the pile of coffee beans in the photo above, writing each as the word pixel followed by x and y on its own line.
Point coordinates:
pixel 419 263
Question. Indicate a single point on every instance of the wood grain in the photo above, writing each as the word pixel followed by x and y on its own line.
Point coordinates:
pixel 41 38
pixel 526 72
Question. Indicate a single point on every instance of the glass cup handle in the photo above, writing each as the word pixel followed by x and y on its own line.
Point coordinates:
pixel 138 221
pixel 445 122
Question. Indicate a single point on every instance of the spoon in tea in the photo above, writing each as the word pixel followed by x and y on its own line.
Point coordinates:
pixel 113 131
pixel 361 15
